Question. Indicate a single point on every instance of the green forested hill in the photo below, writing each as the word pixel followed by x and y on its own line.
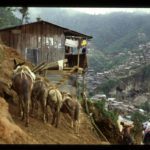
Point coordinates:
pixel 111 32
pixel 115 32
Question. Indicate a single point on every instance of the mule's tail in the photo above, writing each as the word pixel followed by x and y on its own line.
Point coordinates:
pixel 59 98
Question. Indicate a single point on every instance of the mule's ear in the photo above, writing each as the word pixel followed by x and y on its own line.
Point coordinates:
pixel 15 63
pixel 62 92
pixel 20 64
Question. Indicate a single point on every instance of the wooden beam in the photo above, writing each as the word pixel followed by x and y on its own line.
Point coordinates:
pixel 78 62
pixel 37 67
pixel 53 64
pixel 45 66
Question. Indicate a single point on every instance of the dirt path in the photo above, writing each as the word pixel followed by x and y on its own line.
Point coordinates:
pixel 64 134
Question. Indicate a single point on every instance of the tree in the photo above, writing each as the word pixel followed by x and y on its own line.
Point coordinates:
pixel 7 18
pixel 25 14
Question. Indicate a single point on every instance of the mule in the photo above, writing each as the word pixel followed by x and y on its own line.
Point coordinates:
pixel 22 83
pixel 72 107
pixel 39 95
pixel 54 100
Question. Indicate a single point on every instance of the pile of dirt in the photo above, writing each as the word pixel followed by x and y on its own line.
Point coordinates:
pixel 37 132
pixel 109 129
pixel 64 134
pixel 7 56
pixel 10 133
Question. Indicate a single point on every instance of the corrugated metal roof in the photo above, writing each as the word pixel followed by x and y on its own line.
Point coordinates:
pixel 66 30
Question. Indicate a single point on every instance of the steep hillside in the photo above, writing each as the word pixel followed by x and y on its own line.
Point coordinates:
pixel 37 132
pixel 10 133
pixel 64 134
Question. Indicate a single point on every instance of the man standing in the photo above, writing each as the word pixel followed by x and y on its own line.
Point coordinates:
pixel 126 134
pixel 146 133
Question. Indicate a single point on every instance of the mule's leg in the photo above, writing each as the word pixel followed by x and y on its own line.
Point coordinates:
pixel 43 105
pixel 57 116
pixel 27 100
pixel 77 127
pixel 72 118
pixel 27 114
pixel 57 119
pixel 22 109
pixel 20 112
pixel 53 116
pixel 46 113
pixel 32 106
pixel 23 112
pixel 77 118
pixel 37 107
pixel 72 123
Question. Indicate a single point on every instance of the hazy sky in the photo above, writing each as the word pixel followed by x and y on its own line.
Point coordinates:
pixel 110 10
pixel 95 10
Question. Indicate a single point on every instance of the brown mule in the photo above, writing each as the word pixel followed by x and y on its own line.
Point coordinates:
pixel 22 83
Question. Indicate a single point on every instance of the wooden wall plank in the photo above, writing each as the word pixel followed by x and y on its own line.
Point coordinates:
pixel 29 38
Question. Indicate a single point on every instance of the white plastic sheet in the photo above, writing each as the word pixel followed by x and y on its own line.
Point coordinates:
pixel 71 43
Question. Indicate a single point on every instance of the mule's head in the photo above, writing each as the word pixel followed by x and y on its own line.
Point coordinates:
pixel 66 95
pixel 17 64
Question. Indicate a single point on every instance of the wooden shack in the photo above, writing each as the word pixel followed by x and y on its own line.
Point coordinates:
pixel 43 41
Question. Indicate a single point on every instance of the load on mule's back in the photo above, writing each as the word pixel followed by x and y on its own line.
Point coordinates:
pixel 22 83
pixel 126 134
pixel 46 94
pixel 55 101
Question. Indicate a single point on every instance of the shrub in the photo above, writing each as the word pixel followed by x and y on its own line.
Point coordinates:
pixel 146 106
pixel 100 105
pixel 138 118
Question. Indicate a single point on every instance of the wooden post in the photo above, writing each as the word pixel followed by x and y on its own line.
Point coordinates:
pixel 78 62
pixel 85 102
pixel 83 91
pixel 78 57
pixel 83 83
pixel 42 42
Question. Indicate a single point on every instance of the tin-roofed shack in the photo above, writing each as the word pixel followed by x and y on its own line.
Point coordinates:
pixel 43 41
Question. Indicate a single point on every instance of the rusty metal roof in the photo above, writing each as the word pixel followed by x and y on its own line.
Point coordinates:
pixel 67 32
